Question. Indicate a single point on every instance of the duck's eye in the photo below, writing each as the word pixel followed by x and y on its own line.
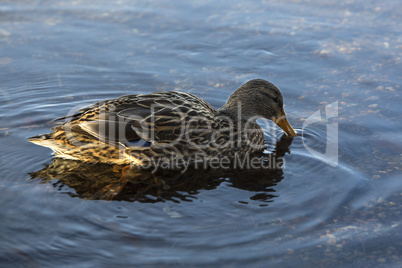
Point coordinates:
pixel 278 101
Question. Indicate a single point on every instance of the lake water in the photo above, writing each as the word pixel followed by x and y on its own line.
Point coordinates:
pixel 60 55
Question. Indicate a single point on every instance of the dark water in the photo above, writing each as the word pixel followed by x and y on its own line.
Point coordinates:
pixel 57 55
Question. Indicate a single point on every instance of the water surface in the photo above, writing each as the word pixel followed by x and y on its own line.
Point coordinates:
pixel 60 55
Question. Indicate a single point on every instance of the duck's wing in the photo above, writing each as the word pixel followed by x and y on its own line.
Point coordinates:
pixel 138 120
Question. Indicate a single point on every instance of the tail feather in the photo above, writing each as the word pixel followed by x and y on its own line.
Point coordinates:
pixel 43 140
pixel 38 138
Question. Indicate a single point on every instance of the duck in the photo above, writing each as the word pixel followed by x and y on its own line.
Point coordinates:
pixel 166 127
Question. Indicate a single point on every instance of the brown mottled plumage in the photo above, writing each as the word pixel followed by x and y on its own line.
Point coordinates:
pixel 140 128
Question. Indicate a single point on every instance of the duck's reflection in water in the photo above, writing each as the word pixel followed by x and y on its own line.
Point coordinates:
pixel 90 180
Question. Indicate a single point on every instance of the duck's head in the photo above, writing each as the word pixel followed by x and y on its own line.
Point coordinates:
pixel 259 99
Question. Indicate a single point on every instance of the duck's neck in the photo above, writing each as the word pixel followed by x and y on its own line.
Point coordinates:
pixel 236 116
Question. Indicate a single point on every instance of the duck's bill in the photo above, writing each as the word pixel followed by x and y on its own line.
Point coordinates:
pixel 283 123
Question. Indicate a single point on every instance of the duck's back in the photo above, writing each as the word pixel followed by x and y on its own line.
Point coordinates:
pixel 144 123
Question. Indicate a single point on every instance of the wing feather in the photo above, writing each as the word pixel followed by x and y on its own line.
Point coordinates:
pixel 158 118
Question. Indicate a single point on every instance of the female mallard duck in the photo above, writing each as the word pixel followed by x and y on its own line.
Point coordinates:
pixel 168 126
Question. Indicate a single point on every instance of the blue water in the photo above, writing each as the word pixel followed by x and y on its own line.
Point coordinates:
pixel 58 56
